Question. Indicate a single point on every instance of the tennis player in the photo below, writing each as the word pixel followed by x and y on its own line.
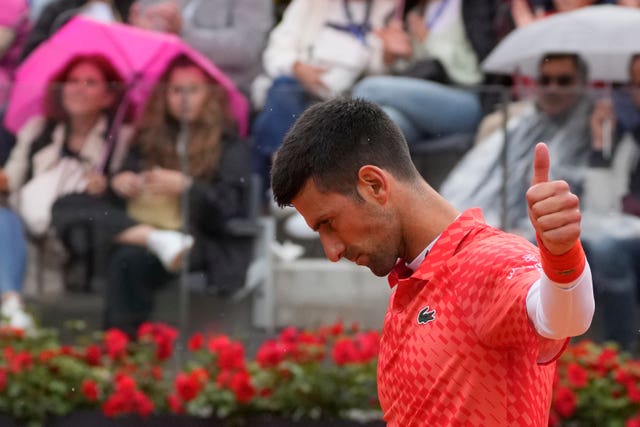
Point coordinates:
pixel 477 316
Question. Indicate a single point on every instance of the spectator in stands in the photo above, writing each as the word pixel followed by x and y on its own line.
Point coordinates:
pixel 79 105
pixel 433 93
pixel 14 28
pixel 58 12
pixel 523 13
pixel 559 116
pixel 319 50
pixel 144 218
pixel 611 209
pixel 230 33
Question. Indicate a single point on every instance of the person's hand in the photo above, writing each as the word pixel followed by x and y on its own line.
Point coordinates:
pixel 521 13
pixel 126 185
pixel 310 77
pixel 165 181
pixel 554 210
pixel 96 183
pixel 417 27
pixel 602 113
pixel 4 182
pixel 164 17
pixel 395 41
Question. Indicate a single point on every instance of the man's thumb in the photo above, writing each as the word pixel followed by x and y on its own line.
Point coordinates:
pixel 541 164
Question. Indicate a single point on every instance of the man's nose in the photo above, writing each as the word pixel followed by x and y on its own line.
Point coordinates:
pixel 333 248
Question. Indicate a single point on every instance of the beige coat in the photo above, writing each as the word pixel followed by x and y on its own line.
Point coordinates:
pixel 17 165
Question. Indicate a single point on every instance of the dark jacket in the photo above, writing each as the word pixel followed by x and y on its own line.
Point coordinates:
pixel 212 203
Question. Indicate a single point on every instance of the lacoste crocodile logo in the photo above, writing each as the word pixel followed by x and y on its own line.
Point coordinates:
pixel 425 316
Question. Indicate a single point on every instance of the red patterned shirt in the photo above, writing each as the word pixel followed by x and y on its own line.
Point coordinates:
pixel 458 348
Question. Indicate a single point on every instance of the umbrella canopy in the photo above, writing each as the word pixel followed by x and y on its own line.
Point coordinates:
pixel 605 36
pixel 139 55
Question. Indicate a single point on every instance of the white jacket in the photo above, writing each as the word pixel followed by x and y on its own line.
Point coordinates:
pixel 303 35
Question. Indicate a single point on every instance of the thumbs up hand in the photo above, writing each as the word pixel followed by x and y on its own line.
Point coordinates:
pixel 554 210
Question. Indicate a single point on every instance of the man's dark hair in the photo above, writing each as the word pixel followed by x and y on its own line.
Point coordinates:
pixel 331 141
pixel 581 65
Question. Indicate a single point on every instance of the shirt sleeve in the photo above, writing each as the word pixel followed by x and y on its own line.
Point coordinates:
pixel 561 311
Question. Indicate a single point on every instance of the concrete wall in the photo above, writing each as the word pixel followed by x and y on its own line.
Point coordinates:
pixel 311 292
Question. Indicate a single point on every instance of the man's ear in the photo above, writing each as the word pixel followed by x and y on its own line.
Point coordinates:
pixel 373 183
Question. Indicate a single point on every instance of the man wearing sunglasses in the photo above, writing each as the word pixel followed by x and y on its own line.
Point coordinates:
pixel 559 115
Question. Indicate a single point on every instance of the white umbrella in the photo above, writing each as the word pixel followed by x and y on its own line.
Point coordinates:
pixel 605 36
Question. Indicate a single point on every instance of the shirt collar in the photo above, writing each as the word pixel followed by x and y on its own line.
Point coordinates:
pixel 450 239
pixel 413 265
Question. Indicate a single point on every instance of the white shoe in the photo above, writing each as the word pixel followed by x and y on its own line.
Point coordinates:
pixel 170 247
pixel 13 311
pixel 286 251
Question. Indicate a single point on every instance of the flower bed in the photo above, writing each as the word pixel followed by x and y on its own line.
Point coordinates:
pixel 596 386
pixel 324 377
pixel 324 374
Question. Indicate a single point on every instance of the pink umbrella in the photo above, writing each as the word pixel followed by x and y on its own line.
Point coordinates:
pixel 139 55
pixel 13 12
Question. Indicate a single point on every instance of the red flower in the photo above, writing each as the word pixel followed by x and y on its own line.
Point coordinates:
pixel 634 392
pixel 633 422
pixel 195 342
pixel 46 355
pixel 565 402
pixel 116 342
pixel 224 378
pixel 156 372
pixel 11 332
pixel 577 375
pixel 93 355
pixel 623 376
pixel 3 380
pixel 143 405
pixel 161 335
pixel 241 386
pixel 127 399
pixel 218 343
pixel 606 361
pixel 337 329
pixel 19 362
pixel 231 357
pixel 289 334
pixel 66 350
pixel 125 384
pixel 175 404
pixel 369 343
pixel 90 390
pixel 553 420
pixel 271 353
pixel 344 351
pixel 188 386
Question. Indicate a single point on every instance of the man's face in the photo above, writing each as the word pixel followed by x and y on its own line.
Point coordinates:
pixel 361 231
pixel 558 86
pixel 635 82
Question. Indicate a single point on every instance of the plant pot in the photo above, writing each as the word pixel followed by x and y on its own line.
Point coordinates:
pixel 97 419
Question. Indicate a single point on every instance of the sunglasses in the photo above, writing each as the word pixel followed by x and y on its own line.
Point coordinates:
pixel 562 80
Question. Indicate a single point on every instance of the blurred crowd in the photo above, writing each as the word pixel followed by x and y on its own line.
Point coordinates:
pixel 145 180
